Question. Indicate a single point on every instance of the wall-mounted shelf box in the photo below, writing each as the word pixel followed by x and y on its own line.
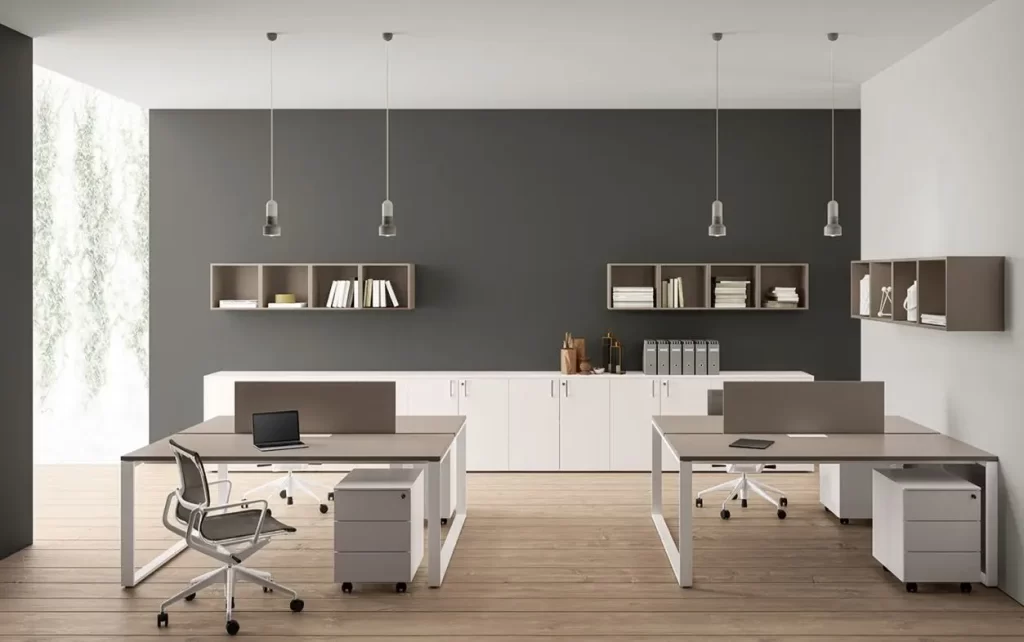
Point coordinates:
pixel 309 282
pixel 699 283
pixel 966 290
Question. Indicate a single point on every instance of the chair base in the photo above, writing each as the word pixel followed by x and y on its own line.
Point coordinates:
pixel 227 575
pixel 739 489
pixel 286 486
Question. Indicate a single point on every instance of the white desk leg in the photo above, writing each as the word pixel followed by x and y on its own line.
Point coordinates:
pixel 655 472
pixel 127 524
pixel 990 577
pixel 685 524
pixel 222 474
pixel 434 570
pixel 460 474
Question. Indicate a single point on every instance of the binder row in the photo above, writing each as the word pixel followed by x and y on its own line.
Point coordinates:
pixel 681 357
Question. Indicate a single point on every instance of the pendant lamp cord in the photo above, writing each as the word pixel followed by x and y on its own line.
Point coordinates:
pixel 387 120
pixel 832 76
pixel 717 81
pixel 271 120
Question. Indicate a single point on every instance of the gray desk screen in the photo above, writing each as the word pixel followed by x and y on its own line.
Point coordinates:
pixel 333 407
pixel 804 407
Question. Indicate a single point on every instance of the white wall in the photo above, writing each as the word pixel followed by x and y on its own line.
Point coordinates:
pixel 943 173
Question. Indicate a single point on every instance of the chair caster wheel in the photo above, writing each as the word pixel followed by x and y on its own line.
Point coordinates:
pixel 161 620
pixel 267 589
pixel 965 587
pixel 330 497
pixel 296 605
pixel 400 587
pixel 781 513
pixel 725 513
pixel 346 587
pixel 444 521
pixel 911 587
pixel 190 597
pixel 783 501
pixel 735 497
pixel 844 521
pixel 323 509
pixel 290 501
pixel 699 503
pixel 283 494
pixel 743 503
pixel 232 627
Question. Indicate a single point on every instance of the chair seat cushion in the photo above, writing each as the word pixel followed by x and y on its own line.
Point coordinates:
pixel 218 528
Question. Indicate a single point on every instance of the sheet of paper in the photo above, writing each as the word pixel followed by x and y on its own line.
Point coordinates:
pixel 808 434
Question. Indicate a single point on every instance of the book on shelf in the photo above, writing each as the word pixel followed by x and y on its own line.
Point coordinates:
pixel 238 303
pixel 672 293
pixel 934 319
pixel 731 293
pixel 391 294
pixel 287 306
pixel 632 297
pixel 368 293
pixel 780 304
pixel 782 297
pixel 331 294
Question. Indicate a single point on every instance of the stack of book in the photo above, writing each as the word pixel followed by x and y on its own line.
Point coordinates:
pixel 632 297
pixel 731 293
pixel 934 319
pixel 378 293
pixel 343 294
pixel 782 297
pixel 238 304
pixel 287 306
pixel 672 293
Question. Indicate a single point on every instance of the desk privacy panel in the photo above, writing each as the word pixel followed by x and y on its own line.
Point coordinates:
pixel 790 407
pixel 324 406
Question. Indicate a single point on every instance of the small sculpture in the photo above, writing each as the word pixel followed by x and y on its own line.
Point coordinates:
pixel 886 299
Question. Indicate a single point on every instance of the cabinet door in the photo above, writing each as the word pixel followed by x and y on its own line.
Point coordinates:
pixel 633 403
pixel 681 396
pixel 533 424
pixel 584 425
pixel 426 396
pixel 484 402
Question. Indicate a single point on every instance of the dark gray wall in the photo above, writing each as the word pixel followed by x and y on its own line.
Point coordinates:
pixel 16 268
pixel 510 217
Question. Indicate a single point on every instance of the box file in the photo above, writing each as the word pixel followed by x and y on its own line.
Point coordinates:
pixel 700 357
pixel 714 356
pixel 650 357
pixel 663 357
pixel 688 357
pixel 675 353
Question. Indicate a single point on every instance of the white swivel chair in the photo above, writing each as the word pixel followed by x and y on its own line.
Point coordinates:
pixel 739 488
pixel 289 483
pixel 228 536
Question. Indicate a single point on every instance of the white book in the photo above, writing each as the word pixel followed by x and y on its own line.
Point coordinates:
pixel 391 293
pixel 357 300
pixel 330 296
pixel 341 300
pixel 368 293
pixel 682 300
pixel 376 294
pixel 349 301
pixel 287 306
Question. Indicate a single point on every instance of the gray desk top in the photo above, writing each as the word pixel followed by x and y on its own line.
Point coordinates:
pixel 702 425
pixel 418 439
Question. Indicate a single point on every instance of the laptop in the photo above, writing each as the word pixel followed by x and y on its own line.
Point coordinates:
pixel 276 430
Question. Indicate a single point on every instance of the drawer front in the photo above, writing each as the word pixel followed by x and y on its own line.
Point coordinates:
pixel 942 505
pixel 373 505
pixel 376 537
pixel 942 537
pixel 375 567
pixel 942 567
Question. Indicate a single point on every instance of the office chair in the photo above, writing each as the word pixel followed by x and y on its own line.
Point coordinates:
pixel 738 488
pixel 228 536
pixel 287 485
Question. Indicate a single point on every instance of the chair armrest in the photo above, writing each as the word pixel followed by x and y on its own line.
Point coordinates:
pixel 202 511
pixel 217 482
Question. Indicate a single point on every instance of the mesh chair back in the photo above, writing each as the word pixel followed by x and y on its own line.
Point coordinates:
pixel 716 402
pixel 194 490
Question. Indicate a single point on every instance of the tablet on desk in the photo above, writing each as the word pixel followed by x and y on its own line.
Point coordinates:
pixel 757 444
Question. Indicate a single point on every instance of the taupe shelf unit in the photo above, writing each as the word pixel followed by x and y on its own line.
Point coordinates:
pixel 967 290
pixel 699 283
pixel 309 282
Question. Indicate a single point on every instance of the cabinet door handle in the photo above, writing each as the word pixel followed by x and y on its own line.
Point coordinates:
pixel 451 387
pixel 465 388
pixel 653 388
pixel 668 391
pixel 565 386
pixel 552 388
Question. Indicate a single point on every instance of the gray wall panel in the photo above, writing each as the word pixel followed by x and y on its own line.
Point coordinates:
pixel 510 216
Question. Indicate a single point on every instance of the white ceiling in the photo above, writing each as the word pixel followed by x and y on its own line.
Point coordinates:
pixel 477 53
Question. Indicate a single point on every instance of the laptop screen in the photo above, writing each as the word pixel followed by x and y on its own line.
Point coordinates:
pixel 272 428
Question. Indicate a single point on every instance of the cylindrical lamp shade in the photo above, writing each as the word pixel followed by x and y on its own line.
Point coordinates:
pixel 387 220
pixel 833 228
pixel 717 227
pixel 271 228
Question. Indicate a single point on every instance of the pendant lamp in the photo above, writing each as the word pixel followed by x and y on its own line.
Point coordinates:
pixel 717 227
pixel 832 226
pixel 387 210
pixel 272 228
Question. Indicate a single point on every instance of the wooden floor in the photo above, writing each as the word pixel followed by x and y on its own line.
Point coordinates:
pixel 542 557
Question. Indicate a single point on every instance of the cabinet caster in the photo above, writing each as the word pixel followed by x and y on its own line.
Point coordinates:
pixel 781 513
pixel 844 521
pixel 161 620
pixel 346 587
pixel 911 587
pixel 290 501
pixel 743 503
pixel 400 587
pixel 190 597
pixel 827 510
pixel 444 521
pixel 296 605
pixel 783 501
pixel 725 513
pixel 323 509
pixel 283 494
pixel 965 587
pixel 330 497
pixel 267 589
pixel 699 503
pixel 232 627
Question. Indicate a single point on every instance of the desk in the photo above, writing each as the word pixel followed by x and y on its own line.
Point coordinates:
pixel 417 440
pixel 696 439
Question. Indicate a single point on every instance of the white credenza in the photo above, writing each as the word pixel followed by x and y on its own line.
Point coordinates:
pixel 535 421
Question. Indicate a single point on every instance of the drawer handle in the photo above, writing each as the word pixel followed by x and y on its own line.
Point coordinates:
pixel 973 496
